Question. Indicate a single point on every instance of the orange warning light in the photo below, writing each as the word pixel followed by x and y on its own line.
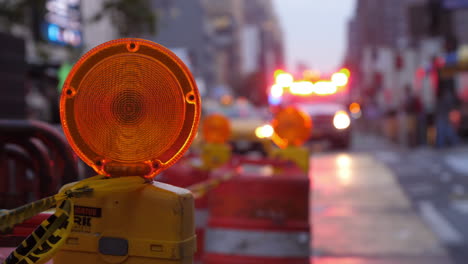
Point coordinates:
pixel 292 127
pixel 130 107
pixel 354 108
pixel 216 129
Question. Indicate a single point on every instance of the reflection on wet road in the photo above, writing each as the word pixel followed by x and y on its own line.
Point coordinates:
pixel 360 215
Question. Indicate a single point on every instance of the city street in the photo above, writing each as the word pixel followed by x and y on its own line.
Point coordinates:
pixel 379 203
pixel 255 99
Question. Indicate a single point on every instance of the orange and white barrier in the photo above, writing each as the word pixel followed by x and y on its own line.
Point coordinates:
pixel 183 174
pixel 259 216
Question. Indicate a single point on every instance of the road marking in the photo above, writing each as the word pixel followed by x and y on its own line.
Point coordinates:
pixel 445 177
pixel 421 188
pixel 460 205
pixel 439 225
pixel 458 163
pixel 458 189
pixel 387 156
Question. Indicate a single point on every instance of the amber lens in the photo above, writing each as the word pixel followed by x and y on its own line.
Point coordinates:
pixel 292 127
pixel 130 103
pixel 216 129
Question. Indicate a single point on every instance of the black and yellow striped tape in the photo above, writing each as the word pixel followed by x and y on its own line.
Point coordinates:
pixel 200 189
pixel 41 245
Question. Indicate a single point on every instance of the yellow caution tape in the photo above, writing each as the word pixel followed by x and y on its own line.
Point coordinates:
pixel 9 218
pixel 200 189
pixel 41 245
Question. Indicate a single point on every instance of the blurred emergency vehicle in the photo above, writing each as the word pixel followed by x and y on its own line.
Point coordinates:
pixel 324 100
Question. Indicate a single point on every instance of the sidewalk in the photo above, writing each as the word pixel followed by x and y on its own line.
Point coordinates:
pixel 360 215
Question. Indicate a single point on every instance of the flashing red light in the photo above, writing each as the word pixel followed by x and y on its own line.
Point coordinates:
pixel 278 72
pixel 276 91
pixel 302 88
pixel 339 79
pixel 284 79
pixel 325 88
pixel 346 71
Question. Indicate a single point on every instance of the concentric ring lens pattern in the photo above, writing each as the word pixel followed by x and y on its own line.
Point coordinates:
pixel 129 108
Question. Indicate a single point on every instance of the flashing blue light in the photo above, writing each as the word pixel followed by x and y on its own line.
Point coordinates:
pixel 274 100
pixel 451 58
pixel 53 32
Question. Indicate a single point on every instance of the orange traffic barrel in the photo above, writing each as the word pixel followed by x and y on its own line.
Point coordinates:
pixel 184 174
pixel 261 215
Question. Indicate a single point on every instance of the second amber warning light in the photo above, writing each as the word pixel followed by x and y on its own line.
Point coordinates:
pixel 292 127
pixel 130 107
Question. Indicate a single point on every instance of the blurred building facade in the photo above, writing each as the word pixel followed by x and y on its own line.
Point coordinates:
pixel 392 48
pixel 183 28
pixel 42 35
pixel 231 46
pixel 95 33
pixel 248 45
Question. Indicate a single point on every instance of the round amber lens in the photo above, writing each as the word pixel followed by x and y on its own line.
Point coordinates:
pixel 292 127
pixel 130 106
pixel 216 129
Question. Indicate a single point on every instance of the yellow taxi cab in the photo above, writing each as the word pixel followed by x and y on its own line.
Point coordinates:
pixel 250 129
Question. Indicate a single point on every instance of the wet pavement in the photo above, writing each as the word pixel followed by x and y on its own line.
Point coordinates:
pixel 360 214
pixel 436 183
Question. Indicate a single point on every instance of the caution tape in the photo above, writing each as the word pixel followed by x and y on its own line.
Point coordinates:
pixel 200 189
pixel 42 244
pixel 47 238
pixel 10 218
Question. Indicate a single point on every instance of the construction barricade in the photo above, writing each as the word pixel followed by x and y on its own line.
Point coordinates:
pixel 261 215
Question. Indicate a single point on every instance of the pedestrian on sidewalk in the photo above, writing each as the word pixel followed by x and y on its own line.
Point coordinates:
pixel 447 101
pixel 413 109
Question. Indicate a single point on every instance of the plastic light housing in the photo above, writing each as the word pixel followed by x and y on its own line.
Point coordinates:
pixel 130 107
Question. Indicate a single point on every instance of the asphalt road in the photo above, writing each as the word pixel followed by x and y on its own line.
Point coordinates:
pixel 436 183
pixel 360 215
